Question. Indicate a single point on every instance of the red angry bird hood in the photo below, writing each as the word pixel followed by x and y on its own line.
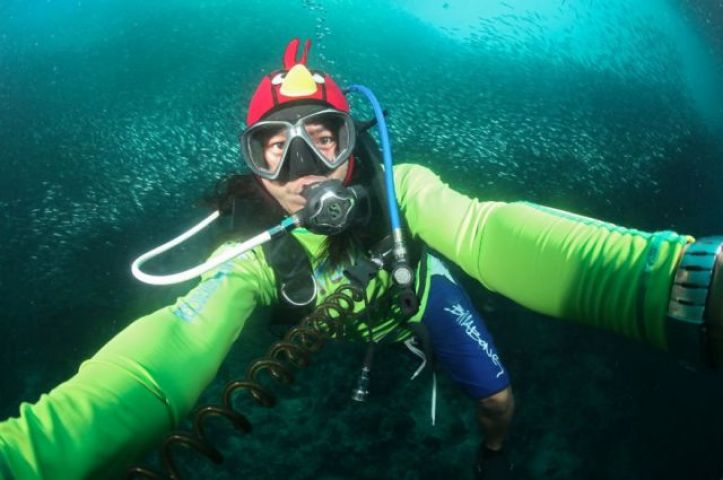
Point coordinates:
pixel 295 82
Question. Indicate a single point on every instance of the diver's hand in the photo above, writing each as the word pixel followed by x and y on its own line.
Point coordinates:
pixel 714 315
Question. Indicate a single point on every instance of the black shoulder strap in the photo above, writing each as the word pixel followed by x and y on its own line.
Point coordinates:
pixel 285 255
pixel 294 277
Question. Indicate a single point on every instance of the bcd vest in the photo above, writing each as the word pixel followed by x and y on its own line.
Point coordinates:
pixel 291 265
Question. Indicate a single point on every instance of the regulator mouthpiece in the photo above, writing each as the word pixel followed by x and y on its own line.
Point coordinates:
pixel 331 207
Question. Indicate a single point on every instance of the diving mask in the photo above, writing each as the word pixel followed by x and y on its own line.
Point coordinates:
pixel 320 140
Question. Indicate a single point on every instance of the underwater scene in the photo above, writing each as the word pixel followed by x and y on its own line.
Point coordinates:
pixel 118 117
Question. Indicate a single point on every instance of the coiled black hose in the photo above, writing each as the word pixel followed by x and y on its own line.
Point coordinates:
pixel 295 348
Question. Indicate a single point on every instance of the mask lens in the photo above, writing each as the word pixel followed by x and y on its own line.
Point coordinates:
pixel 331 136
pixel 265 145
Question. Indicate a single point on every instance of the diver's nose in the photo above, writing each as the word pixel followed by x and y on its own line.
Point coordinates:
pixel 303 161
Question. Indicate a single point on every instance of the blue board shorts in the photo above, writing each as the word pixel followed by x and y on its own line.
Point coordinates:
pixel 460 341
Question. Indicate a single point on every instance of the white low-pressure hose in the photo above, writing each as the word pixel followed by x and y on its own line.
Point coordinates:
pixel 410 343
pixel 200 269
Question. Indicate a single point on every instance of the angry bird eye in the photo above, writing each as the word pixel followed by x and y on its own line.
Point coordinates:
pixel 278 79
pixel 318 78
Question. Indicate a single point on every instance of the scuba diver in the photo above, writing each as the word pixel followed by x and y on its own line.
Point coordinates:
pixel 318 213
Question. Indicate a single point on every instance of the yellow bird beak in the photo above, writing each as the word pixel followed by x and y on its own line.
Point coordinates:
pixel 298 82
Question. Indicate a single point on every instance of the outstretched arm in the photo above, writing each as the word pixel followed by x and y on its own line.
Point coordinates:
pixel 138 386
pixel 554 262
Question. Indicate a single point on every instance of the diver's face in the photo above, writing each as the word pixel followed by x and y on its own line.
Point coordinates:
pixel 288 194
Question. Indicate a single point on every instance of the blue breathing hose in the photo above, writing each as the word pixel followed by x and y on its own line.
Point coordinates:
pixel 387 154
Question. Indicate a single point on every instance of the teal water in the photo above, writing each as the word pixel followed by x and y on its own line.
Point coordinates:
pixel 117 116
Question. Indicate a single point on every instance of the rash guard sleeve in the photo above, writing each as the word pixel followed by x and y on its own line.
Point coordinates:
pixel 554 262
pixel 139 385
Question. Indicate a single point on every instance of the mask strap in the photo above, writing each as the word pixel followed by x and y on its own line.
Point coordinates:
pixel 350 171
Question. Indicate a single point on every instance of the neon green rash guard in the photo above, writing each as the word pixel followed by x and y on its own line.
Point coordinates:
pixel 150 375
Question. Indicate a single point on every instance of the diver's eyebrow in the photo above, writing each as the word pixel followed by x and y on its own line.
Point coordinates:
pixel 316 128
pixel 279 137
